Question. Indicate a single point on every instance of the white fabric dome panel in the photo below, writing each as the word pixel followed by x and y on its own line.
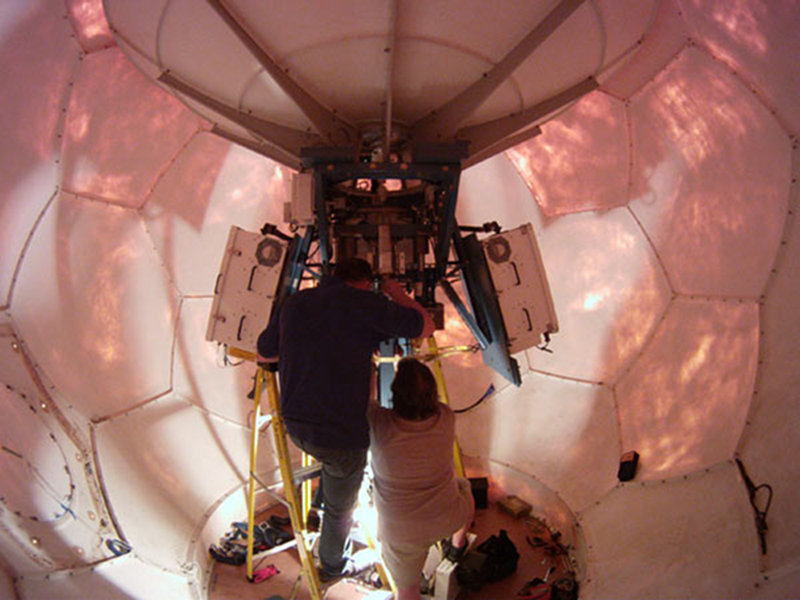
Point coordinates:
pixel 40 483
pixel 18 218
pixel 758 40
pixel 12 369
pixel 461 23
pixel 155 461
pixel 121 578
pixel 36 57
pixel 289 25
pixel 261 91
pixel 89 22
pixel 46 513
pixel 679 539
pixel 434 60
pixel 683 404
pixel 7 587
pixel 199 373
pixel 563 432
pixel 609 292
pixel 692 127
pixel 188 213
pixel 109 96
pixel 772 435
pixel 581 160
pixel 353 85
pixel 51 515
pixel 93 292
pixel 493 190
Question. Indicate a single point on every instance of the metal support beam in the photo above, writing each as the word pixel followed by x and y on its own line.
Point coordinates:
pixel 465 315
pixel 390 51
pixel 447 223
pixel 333 129
pixel 488 134
pixel 442 123
pixel 265 149
pixel 502 146
pixel 287 139
pixel 323 225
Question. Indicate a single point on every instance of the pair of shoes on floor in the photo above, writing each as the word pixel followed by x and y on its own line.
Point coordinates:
pixel 229 556
pixel 265 534
pixel 450 552
pixel 279 522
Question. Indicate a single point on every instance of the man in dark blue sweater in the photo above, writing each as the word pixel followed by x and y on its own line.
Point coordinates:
pixel 324 338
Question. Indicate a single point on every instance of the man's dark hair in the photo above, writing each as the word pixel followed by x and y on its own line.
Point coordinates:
pixel 414 392
pixel 353 269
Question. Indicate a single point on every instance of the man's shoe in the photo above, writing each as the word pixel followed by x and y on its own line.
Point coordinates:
pixel 452 553
pixel 349 570
pixel 327 577
pixel 358 563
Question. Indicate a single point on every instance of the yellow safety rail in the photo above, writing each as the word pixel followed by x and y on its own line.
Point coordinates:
pixel 434 356
pixel 445 398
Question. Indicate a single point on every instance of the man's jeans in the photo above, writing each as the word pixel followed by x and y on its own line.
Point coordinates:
pixel 342 471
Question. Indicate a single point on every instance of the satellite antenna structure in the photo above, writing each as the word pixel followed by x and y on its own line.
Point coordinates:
pixel 378 113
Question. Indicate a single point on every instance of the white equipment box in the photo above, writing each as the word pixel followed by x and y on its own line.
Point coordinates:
pixel 245 288
pixel 299 210
pixel 520 280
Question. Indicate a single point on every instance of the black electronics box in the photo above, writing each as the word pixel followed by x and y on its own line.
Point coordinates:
pixel 627 465
pixel 480 491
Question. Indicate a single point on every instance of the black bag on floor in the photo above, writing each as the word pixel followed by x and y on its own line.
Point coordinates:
pixel 493 560
pixel 502 556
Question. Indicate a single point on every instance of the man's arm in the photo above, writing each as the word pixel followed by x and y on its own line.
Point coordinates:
pixel 397 293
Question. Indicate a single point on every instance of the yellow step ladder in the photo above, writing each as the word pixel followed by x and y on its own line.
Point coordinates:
pixel 297 503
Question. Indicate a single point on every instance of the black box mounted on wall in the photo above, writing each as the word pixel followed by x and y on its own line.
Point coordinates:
pixel 627 465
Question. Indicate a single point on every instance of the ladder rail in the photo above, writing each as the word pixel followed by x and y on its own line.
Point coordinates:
pixel 289 488
pixel 266 378
pixel 251 487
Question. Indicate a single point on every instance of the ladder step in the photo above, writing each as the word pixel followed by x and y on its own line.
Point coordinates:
pixel 264 420
pixel 304 473
pixel 276 549
pixel 299 475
